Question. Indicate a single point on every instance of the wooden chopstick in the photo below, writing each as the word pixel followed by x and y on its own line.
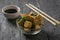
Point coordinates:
pixel 41 14
pixel 45 14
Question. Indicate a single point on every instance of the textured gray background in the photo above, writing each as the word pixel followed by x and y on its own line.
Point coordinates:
pixel 9 30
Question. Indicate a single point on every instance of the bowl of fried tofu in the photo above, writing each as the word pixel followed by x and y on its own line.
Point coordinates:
pixel 30 23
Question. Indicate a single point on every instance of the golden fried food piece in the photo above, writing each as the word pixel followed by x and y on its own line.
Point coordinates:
pixel 27 30
pixel 31 18
pixel 37 27
pixel 40 19
pixel 36 21
pixel 28 24
pixel 24 15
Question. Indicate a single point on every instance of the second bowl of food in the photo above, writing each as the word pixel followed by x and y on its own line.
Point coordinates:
pixel 30 23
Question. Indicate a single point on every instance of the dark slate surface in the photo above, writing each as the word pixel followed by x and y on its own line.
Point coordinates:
pixel 9 30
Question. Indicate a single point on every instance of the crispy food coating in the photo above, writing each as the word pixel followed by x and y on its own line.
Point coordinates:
pixel 28 24
pixel 23 15
pixel 37 27
pixel 31 18
pixel 39 17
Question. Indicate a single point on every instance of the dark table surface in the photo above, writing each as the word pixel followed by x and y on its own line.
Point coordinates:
pixel 9 30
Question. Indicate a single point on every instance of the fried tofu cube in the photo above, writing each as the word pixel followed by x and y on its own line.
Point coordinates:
pixel 27 30
pixel 37 27
pixel 39 17
pixel 28 24
pixel 36 21
pixel 31 18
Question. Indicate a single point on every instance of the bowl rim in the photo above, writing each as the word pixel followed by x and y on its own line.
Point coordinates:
pixel 17 7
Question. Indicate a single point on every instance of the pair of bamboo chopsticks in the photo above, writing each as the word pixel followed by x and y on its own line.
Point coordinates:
pixel 43 14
